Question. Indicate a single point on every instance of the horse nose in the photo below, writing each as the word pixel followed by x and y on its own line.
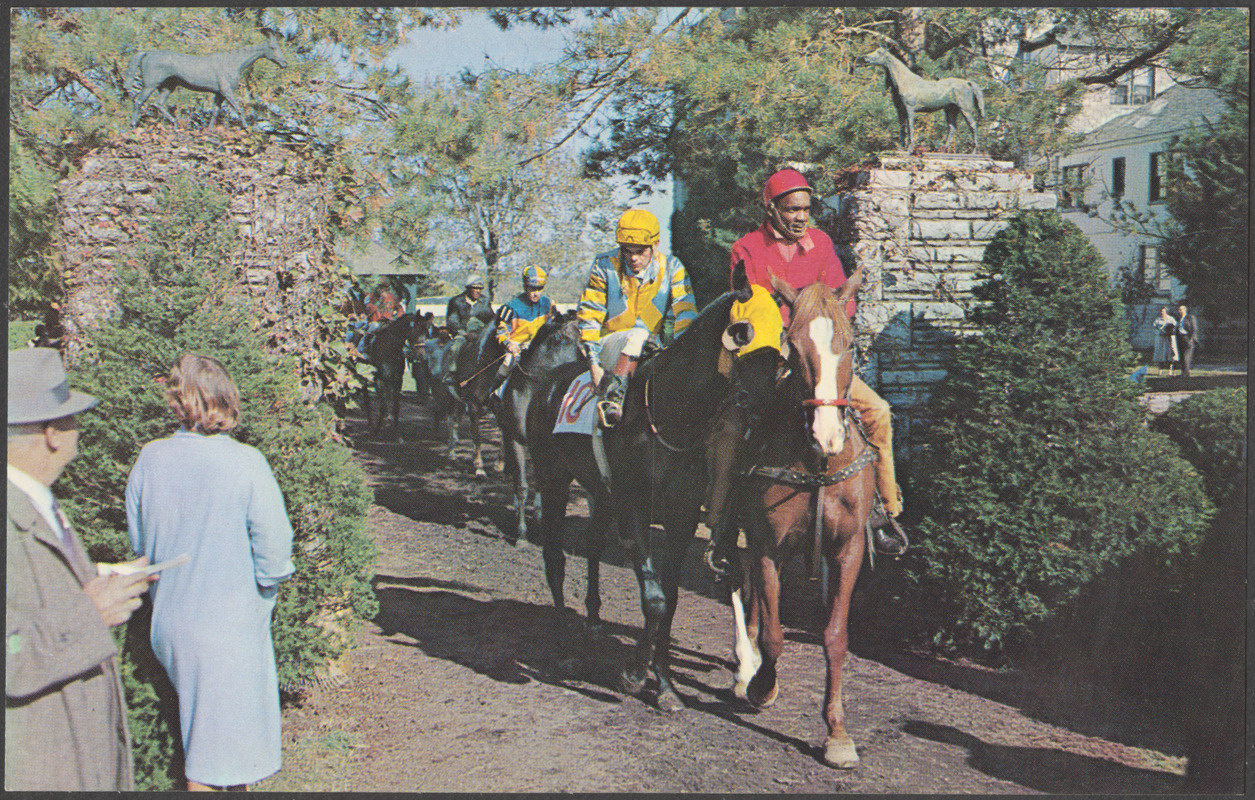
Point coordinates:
pixel 828 432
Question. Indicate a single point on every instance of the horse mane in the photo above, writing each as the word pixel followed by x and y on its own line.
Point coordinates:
pixel 818 300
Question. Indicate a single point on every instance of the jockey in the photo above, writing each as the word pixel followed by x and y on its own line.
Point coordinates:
pixel 461 317
pixel 520 319
pixel 631 293
pixel 786 247
pixel 382 307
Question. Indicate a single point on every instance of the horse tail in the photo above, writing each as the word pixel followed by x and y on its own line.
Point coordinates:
pixel 979 97
pixel 132 81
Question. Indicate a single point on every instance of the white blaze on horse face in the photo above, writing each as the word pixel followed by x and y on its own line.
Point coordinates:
pixel 827 429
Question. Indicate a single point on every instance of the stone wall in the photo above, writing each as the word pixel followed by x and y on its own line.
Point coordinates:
pixel 919 227
pixel 279 199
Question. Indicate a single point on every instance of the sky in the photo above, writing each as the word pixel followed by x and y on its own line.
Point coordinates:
pixel 477 43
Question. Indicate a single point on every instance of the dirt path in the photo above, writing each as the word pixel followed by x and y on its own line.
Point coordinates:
pixel 457 685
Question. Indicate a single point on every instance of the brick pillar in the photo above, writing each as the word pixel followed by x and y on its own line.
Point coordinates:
pixel 919 228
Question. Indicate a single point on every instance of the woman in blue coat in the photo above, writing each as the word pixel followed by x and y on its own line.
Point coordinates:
pixel 203 494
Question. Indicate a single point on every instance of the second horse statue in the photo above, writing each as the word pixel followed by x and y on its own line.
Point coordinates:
pixel 218 73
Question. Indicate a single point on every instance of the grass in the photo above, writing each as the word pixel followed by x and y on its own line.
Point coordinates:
pixel 21 331
pixel 313 764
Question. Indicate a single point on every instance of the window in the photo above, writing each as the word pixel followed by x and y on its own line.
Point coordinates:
pixel 1072 193
pixel 1117 177
pixel 1143 86
pixel 1158 176
pixel 1152 272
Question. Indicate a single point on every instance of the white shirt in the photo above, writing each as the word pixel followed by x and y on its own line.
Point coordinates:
pixel 40 495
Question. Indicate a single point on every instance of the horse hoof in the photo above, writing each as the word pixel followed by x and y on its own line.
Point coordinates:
pixel 840 753
pixel 764 699
pixel 631 684
pixel 670 702
pixel 740 690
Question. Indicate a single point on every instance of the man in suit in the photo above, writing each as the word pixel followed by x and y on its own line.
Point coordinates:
pixel 1187 337
pixel 64 713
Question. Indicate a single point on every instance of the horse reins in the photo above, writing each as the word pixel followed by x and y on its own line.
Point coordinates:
pixel 653 428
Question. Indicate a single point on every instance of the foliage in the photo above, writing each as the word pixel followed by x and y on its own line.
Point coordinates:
pixel 1210 430
pixel 1037 467
pixel 177 295
pixel 482 168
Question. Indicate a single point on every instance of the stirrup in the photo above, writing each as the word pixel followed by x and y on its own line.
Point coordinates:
pixel 609 412
pixel 891 542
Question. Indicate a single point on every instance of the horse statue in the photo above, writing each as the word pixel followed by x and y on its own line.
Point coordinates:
pixel 912 93
pixel 810 490
pixel 656 460
pixel 219 73
pixel 388 351
pixel 556 343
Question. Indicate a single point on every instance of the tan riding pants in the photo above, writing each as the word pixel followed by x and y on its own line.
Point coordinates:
pixel 877 421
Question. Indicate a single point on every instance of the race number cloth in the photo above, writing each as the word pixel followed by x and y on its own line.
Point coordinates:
pixel 578 412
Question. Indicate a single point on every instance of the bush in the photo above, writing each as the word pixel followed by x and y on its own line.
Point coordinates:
pixel 1210 430
pixel 1038 468
pixel 179 295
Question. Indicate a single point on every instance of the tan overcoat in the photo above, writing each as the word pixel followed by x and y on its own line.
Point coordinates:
pixel 64 712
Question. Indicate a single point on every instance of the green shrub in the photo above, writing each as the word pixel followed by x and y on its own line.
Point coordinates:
pixel 1210 430
pixel 178 295
pixel 1038 468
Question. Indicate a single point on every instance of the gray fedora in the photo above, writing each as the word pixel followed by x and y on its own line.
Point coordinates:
pixel 38 388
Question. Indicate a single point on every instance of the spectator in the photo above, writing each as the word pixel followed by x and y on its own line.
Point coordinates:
pixel 1165 341
pixel 64 712
pixel 201 493
pixel 1187 338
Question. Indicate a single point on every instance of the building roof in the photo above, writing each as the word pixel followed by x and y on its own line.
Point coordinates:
pixel 1171 113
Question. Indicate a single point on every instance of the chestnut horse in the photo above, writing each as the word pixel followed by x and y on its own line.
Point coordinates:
pixel 812 488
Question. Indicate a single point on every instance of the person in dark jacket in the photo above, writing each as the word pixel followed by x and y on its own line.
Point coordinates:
pixel 64 712
pixel 462 317
pixel 1187 337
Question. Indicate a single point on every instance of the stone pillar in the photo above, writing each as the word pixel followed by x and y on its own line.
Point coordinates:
pixel 919 227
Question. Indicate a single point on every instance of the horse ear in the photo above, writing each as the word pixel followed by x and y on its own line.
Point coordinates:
pixel 741 282
pixel 783 290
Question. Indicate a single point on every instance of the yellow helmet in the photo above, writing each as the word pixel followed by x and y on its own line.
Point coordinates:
pixel 534 278
pixel 638 226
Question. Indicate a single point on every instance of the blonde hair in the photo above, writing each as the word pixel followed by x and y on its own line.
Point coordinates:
pixel 202 394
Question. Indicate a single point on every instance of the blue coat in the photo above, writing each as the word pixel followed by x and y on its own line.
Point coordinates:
pixel 217 501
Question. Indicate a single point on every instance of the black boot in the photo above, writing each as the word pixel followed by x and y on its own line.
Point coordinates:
pixel 610 409
pixel 887 535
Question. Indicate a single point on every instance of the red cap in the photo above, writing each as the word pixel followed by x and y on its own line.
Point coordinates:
pixel 783 182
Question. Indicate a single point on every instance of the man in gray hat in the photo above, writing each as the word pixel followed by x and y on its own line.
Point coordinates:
pixel 64 713
pixel 464 316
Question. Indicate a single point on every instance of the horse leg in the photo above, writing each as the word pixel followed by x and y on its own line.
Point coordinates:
pixel 952 122
pixel 632 528
pixel 598 523
pixel 910 129
pixel 748 658
pixel 235 105
pixel 971 123
pixel 679 533
pixel 477 456
pixel 213 118
pixel 763 688
pixel 839 750
pixel 139 103
pixel 161 106
pixel 516 452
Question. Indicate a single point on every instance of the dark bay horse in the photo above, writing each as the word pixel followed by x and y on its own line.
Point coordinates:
pixel 811 490
pixel 219 73
pixel 556 343
pixel 656 456
pixel 473 377
pixel 388 353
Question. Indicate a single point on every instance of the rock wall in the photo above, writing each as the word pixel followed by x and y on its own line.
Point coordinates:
pixel 919 227
pixel 279 199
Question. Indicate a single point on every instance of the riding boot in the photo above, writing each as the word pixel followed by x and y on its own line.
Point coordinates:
pixel 610 409
pixel 887 535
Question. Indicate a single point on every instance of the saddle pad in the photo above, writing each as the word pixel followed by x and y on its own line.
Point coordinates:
pixel 578 412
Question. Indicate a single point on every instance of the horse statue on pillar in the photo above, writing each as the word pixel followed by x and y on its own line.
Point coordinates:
pixel 161 70
pixel 912 93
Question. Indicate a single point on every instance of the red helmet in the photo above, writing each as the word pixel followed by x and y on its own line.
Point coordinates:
pixel 783 182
